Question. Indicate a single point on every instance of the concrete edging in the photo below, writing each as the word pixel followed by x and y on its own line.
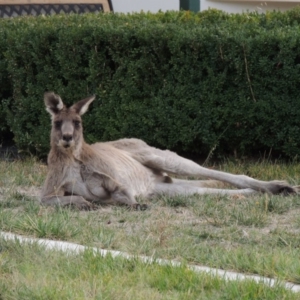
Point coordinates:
pixel 76 248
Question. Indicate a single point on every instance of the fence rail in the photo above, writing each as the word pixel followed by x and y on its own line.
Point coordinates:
pixel 9 8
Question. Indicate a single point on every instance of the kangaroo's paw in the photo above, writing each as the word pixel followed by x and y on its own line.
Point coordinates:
pixel 282 187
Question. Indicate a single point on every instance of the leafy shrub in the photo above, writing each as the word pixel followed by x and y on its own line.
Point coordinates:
pixel 178 80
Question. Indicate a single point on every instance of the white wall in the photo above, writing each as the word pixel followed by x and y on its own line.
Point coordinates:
pixel 240 6
pixel 235 6
pixel 128 6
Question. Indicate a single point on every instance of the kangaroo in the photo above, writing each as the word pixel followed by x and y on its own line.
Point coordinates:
pixel 117 172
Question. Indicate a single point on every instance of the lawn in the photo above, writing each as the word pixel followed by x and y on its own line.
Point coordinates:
pixel 252 235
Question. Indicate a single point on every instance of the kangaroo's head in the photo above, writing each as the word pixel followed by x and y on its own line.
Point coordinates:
pixel 66 132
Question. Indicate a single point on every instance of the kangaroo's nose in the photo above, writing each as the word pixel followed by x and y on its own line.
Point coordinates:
pixel 67 137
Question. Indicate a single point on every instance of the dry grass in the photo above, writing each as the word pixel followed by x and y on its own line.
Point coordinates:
pixel 257 234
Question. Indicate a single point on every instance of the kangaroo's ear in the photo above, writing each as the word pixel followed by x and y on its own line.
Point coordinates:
pixel 53 103
pixel 82 106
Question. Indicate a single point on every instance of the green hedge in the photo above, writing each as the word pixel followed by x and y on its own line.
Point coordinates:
pixel 188 82
pixel 5 82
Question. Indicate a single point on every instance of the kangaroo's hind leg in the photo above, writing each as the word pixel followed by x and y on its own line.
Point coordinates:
pixel 171 163
pixel 177 189
pixel 216 184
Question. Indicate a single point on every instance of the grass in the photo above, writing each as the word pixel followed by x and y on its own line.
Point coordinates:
pixel 256 234
pixel 30 272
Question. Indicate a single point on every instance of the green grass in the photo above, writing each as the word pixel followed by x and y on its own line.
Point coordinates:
pixel 258 234
pixel 30 272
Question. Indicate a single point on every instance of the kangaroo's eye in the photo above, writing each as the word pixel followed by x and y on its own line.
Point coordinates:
pixel 76 124
pixel 57 124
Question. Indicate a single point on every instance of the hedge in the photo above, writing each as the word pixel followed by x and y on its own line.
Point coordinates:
pixel 178 80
